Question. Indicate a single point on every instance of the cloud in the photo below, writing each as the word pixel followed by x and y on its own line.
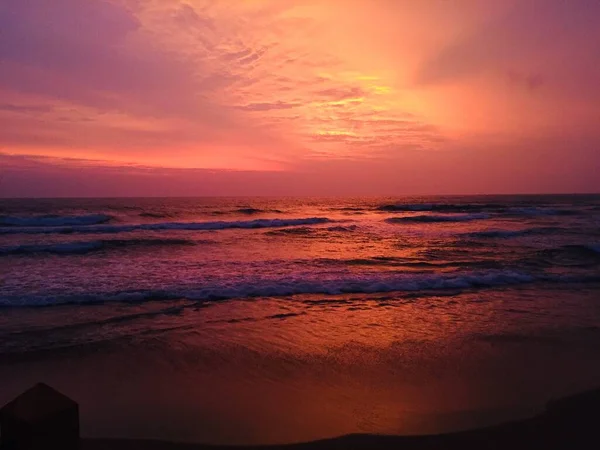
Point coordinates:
pixel 474 166
pixel 62 177
pixel 96 55
pixel 25 109
pixel 274 85
pixel 344 93
pixel 531 82
pixel 118 77
pixel 81 40
pixel 268 106
pixel 530 41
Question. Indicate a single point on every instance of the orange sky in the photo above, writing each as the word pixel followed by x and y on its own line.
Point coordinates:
pixel 311 88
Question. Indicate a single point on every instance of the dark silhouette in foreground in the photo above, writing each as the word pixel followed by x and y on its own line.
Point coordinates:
pixel 41 417
pixel 569 423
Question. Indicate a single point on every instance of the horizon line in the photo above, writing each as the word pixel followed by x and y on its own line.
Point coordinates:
pixel 554 194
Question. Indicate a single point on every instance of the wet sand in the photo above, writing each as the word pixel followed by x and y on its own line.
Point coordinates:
pixel 569 423
pixel 270 372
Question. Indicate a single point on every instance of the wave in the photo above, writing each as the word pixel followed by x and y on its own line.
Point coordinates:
pixel 252 211
pixel 310 231
pixel 539 211
pixel 247 211
pixel 513 233
pixel 478 208
pixel 62 248
pixel 349 209
pixel 82 247
pixel 182 226
pixel 569 256
pixel 442 207
pixel 53 221
pixel 294 231
pixel 340 229
pixel 153 215
pixel 257 288
pixel 414 263
pixel 437 218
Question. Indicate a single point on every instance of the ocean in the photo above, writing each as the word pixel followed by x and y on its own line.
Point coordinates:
pixel 267 320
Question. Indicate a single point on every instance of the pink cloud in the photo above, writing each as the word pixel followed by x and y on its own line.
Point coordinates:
pixel 267 88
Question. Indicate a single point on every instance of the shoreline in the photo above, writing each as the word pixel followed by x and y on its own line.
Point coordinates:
pixel 227 384
pixel 569 423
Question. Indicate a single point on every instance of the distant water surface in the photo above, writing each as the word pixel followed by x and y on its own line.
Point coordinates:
pixel 255 320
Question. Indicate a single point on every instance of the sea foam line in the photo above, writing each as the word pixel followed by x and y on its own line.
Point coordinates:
pixel 255 288
pixel 183 226
pixel 53 221
pixel 82 247
pixel 448 208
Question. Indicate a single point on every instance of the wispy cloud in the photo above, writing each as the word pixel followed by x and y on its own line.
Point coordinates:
pixel 151 74
pixel 291 85
pixel 268 106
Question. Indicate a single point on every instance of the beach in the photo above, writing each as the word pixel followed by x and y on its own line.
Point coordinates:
pixel 299 224
pixel 566 423
pixel 271 322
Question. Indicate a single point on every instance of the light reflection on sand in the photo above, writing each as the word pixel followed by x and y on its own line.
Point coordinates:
pixel 283 370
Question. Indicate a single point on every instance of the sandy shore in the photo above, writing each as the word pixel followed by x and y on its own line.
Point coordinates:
pixel 568 423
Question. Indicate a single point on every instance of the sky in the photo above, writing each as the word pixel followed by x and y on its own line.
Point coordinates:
pixel 298 97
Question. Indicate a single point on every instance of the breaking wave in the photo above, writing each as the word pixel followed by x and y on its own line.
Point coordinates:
pixel 513 233
pixel 81 247
pixel 438 218
pixel 182 226
pixel 442 207
pixel 311 231
pixel 53 221
pixel 527 211
pixel 257 288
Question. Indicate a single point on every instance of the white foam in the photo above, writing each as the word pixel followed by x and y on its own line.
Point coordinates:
pixel 251 288
pixel 53 221
pixel 189 226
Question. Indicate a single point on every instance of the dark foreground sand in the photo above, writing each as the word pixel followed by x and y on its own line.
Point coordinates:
pixel 569 423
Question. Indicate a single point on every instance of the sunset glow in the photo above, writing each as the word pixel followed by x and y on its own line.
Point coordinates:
pixel 298 97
